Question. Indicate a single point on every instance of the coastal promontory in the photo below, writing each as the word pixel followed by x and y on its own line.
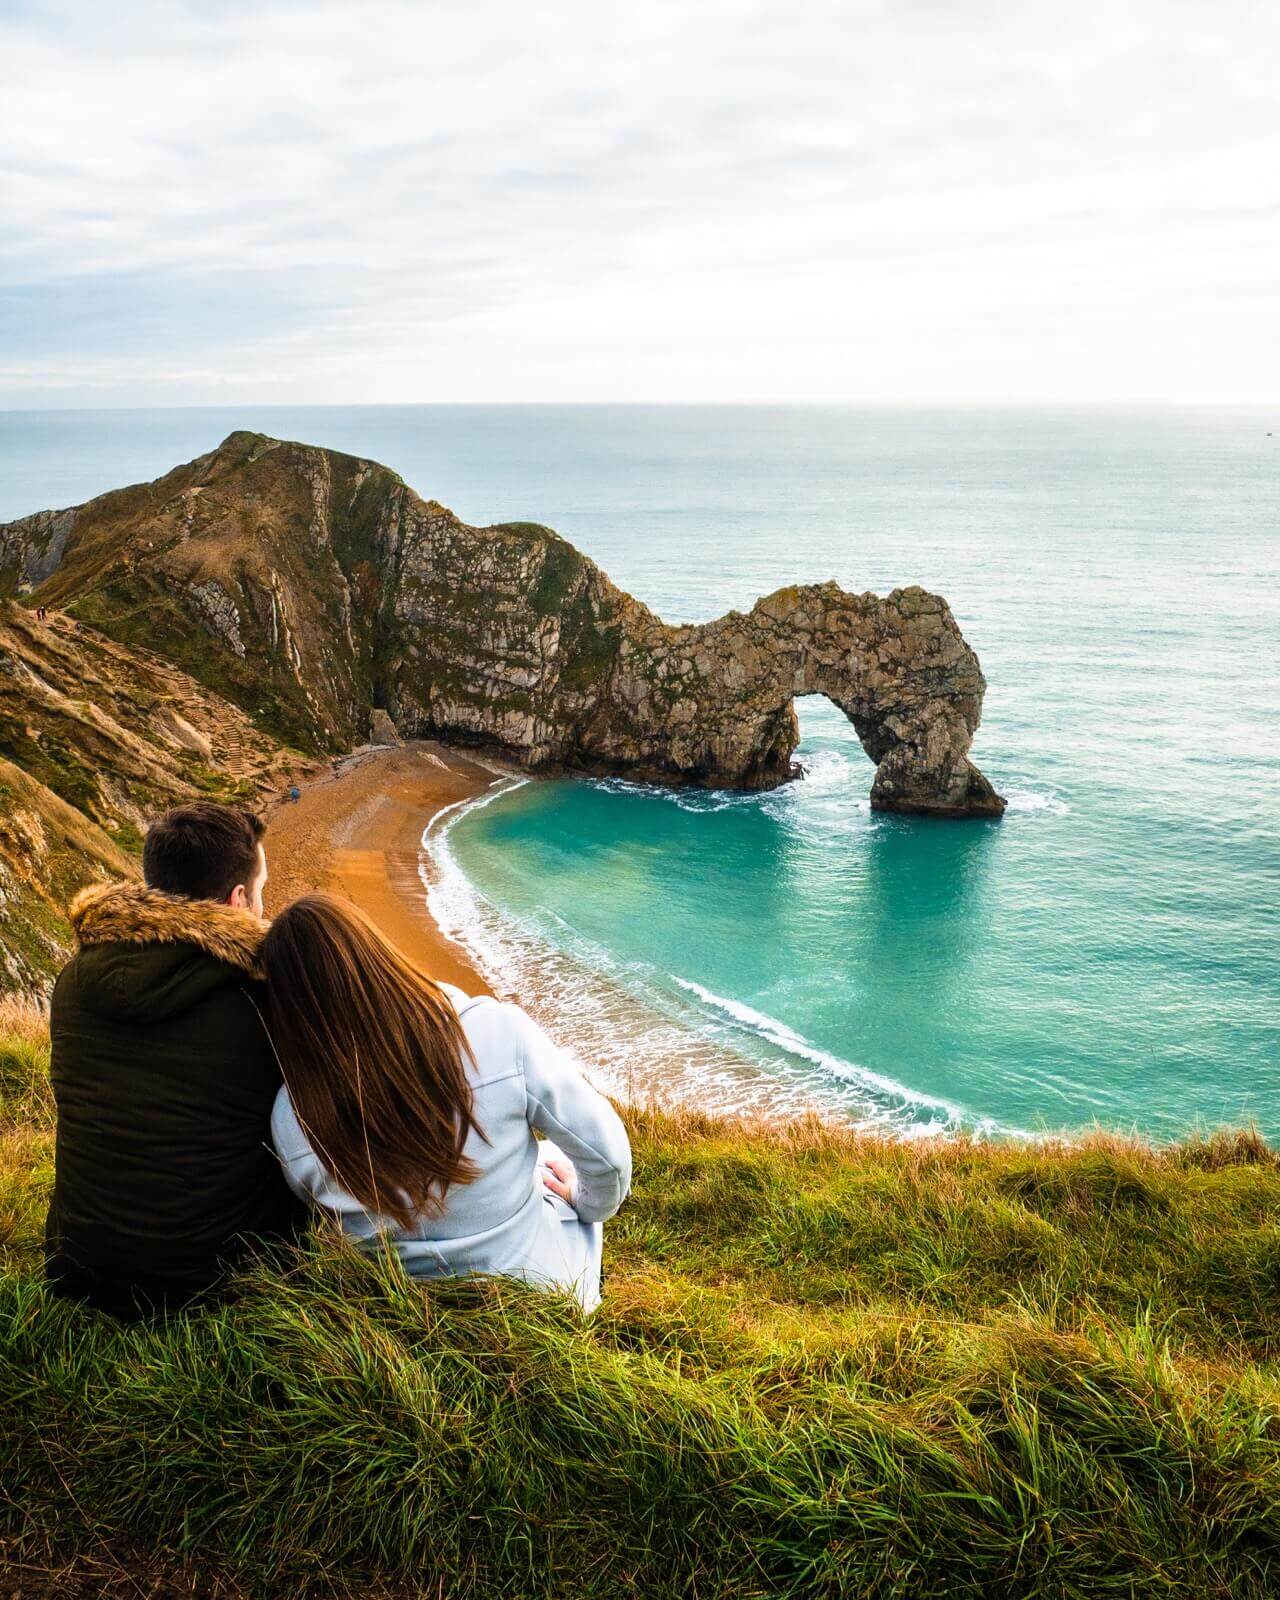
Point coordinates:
pixel 315 589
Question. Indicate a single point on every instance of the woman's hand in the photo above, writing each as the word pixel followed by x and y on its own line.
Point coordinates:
pixel 560 1176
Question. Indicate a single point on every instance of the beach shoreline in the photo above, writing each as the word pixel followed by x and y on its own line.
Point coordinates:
pixel 356 831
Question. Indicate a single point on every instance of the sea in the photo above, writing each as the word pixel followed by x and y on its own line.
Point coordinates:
pixel 1106 955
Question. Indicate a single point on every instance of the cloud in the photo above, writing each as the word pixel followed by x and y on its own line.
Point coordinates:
pixel 678 201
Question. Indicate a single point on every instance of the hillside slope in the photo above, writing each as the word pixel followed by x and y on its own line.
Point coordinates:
pixel 312 587
pixel 48 850
pixel 95 740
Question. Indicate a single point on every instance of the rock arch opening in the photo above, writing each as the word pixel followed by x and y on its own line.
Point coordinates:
pixel 723 696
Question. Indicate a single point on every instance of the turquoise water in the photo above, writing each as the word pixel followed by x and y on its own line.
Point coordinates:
pixel 1106 953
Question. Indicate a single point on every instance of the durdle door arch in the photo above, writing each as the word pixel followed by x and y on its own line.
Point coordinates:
pixel 719 699
pixel 311 587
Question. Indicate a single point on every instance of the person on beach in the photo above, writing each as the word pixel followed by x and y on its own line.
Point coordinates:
pixel 410 1109
pixel 163 1074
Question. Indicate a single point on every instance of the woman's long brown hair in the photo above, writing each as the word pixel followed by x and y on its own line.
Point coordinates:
pixel 372 1054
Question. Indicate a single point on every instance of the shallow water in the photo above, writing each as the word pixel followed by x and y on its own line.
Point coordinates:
pixel 1105 953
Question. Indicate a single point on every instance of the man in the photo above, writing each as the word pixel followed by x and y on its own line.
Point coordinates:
pixel 164 1075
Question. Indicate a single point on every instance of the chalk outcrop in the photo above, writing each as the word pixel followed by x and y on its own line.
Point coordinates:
pixel 315 588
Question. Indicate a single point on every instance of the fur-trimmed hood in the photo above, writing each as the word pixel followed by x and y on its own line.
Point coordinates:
pixel 130 913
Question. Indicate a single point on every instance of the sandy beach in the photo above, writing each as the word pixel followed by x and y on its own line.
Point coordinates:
pixel 357 832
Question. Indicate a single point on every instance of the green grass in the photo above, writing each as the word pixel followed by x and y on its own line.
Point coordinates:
pixel 826 1366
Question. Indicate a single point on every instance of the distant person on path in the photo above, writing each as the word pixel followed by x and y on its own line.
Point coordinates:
pixel 409 1112
pixel 295 794
pixel 164 1075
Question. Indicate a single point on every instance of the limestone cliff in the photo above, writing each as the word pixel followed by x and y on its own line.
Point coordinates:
pixel 313 588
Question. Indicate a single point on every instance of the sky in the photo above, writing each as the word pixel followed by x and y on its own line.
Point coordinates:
pixel 922 201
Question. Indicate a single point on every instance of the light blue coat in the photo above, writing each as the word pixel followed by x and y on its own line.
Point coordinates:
pixel 504 1223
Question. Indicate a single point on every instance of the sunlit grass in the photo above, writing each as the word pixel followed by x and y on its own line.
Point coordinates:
pixel 826 1365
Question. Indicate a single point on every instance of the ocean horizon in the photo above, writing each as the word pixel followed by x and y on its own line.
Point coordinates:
pixel 1105 954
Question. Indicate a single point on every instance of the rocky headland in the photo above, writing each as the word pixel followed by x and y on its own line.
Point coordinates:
pixel 313 589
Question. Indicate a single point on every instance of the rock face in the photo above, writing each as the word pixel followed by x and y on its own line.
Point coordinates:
pixel 31 549
pixel 381 728
pixel 897 667
pixel 314 588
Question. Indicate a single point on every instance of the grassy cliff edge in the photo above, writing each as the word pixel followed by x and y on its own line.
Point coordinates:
pixel 826 1365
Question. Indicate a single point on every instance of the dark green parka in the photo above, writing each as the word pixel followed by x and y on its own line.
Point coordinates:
pixel 164 1077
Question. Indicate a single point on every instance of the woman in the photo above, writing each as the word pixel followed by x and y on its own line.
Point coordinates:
pixel 409 1112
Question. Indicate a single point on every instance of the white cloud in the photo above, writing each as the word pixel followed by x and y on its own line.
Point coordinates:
pixel 678 201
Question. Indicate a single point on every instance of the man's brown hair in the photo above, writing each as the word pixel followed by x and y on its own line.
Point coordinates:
pixel 372 1054
pixel 202 851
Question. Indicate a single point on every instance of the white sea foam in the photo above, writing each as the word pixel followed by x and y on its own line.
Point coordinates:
pixel 696 800
pixel 887 1090
pixel 1026 800
pixel 454 905
pixel 834 784
pixel 824 772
